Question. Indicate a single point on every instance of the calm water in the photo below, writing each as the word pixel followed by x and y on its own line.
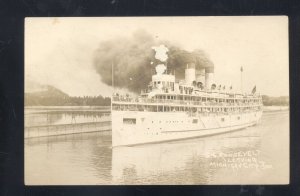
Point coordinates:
pixel 255 155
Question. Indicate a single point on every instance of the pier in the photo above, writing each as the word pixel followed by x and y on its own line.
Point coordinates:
pixel 63 129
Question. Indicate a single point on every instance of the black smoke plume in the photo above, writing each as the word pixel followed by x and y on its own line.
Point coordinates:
pixel 131 60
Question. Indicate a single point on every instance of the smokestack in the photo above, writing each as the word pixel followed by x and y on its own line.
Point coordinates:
pixel 209 77
pixel 200 75
pixel 132 56
pixel 190 73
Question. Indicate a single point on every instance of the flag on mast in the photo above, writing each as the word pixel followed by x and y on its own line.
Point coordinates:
pixel 220 86
pixel 213 86
pixel 254 89
pixel 242 69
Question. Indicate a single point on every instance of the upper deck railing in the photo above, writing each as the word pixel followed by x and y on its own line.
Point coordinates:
pixel 148 101
pixel 207 93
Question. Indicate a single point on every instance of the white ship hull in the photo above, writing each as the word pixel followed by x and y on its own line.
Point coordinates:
pixel 152 127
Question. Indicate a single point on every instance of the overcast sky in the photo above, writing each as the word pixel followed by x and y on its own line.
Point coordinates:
pixel 59 51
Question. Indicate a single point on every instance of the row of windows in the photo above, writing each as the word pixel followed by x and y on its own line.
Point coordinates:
pixel 182 109
pixel 205 99
pixel 170 121
pixel 165 84
pixel 195 121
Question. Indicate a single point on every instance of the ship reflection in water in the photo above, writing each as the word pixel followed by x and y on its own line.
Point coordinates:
pixel 187 161
pixel 248 156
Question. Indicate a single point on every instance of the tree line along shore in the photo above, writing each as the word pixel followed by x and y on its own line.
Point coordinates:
pixel 62 99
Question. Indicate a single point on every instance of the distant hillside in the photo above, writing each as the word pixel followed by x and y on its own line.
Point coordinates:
pixel 275 101
pixel 46 95
pixel 49 91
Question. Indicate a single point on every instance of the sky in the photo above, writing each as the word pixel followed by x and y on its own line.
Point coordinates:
pixel 59 51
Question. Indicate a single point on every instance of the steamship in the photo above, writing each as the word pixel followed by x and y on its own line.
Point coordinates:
pixel 171 110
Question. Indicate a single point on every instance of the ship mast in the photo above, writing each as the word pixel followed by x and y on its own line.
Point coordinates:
pixel 112 84
pixel 242 79
pixel 166 64
pixel 112 74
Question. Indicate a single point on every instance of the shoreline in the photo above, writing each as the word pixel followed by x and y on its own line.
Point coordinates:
pixel 275 108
